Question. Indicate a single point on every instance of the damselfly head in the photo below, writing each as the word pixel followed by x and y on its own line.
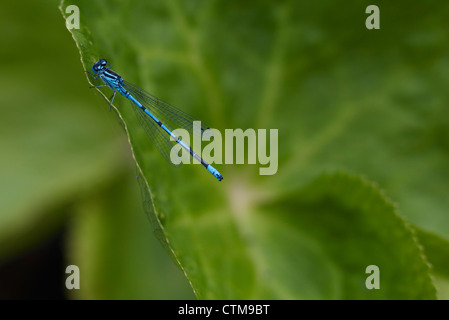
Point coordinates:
pixel 99 65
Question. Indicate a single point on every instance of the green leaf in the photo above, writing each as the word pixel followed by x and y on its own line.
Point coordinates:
pixel 346 224
pixel 341 96
pixel 437 251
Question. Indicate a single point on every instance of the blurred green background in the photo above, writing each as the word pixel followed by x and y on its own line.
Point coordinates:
pixel 368 109
pixel 63 159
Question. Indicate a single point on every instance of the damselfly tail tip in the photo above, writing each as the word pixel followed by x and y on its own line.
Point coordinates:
pixel 214 172
pixel 218 176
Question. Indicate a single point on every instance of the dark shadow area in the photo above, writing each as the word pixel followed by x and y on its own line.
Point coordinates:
pixel 36 274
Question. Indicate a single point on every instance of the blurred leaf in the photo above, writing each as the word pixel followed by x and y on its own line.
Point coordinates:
pixel 370 102
pixel 117 255
pixel 53 145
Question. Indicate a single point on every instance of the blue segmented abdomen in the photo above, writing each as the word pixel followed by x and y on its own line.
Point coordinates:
pixel 115 82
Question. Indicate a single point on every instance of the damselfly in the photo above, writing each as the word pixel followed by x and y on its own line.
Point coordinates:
pixel 157 117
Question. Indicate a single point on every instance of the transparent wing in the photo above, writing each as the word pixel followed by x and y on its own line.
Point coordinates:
pixel 170 116
pixel 157 135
